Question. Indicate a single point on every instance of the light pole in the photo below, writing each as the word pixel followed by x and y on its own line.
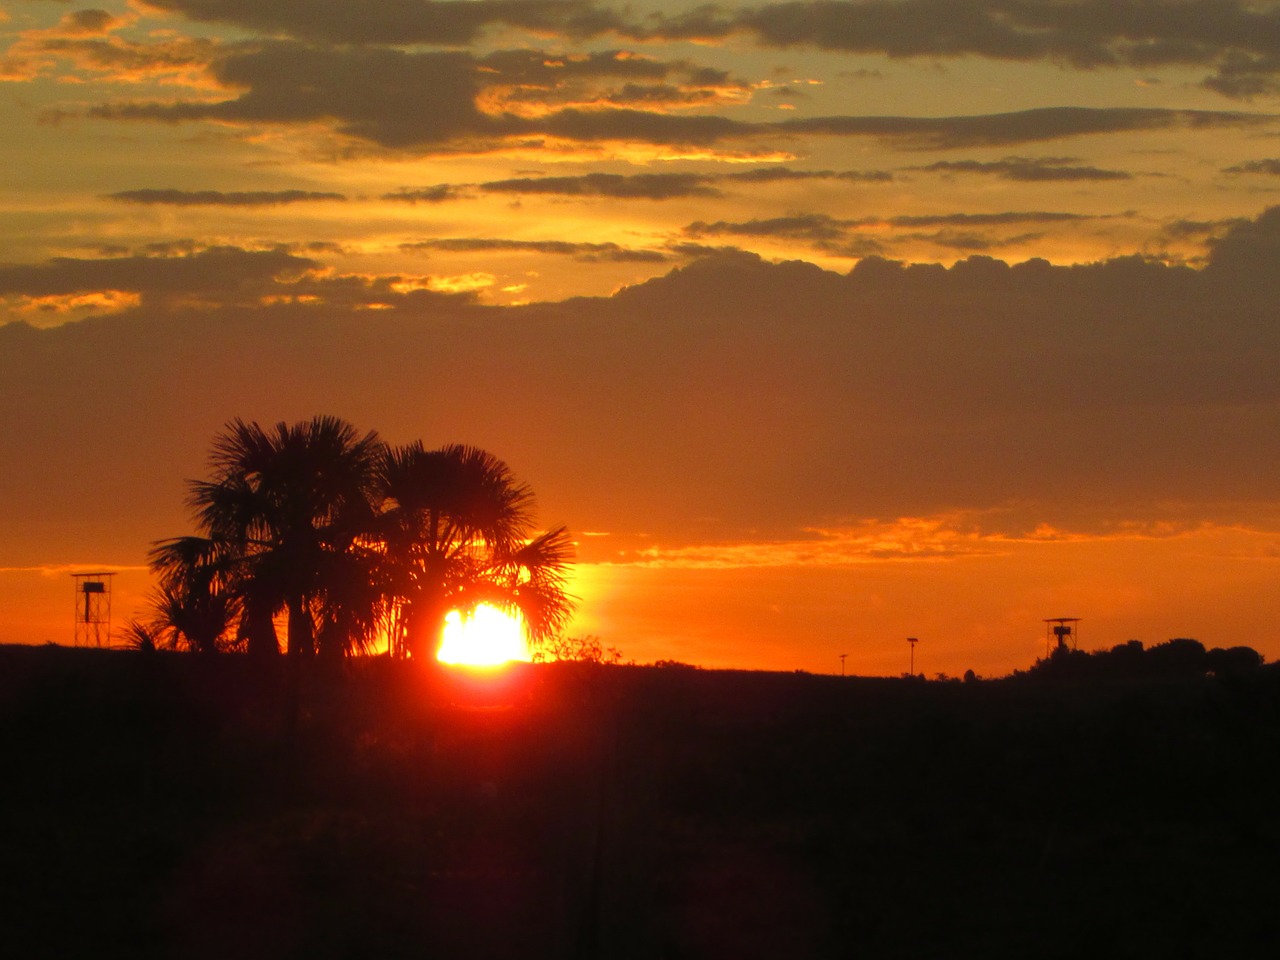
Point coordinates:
pixel 913 641
pixel 842 656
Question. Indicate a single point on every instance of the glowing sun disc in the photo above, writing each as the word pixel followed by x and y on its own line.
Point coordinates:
pixel 484 638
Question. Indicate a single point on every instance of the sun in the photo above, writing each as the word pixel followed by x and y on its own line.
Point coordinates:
pixel 485 637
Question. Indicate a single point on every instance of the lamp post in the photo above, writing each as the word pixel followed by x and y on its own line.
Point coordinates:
pixel 913 641
pixel 842 656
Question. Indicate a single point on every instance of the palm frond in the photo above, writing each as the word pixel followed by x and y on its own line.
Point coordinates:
pixel 141 636
pixel 551 553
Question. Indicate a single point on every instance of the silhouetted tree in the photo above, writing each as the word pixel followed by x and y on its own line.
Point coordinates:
pixel 1233 660
pixel 281 517
pixel 1127 659
pixel 456 531
pixel 349 539
pixel 193 605
pixel 1180 656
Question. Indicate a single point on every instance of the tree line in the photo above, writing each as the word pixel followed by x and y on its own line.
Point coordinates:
pixel 1181 657
pixel 348 542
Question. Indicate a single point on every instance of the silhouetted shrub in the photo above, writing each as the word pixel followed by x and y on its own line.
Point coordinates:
pixel 1180 657
pixel 1232 661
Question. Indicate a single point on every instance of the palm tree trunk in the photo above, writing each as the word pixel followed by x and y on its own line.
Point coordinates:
pixel 425 623
pixel 259 632
pixel 301 630
pixel 332 642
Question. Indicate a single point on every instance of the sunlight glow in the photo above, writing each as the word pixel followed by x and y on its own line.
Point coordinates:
pixel 485 637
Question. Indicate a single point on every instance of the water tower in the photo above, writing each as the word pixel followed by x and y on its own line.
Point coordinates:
pixel 93 609
pixel 1058 631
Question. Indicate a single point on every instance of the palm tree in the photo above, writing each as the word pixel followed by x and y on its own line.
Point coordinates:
pixel 193 604
pixel 354 607
pixel 284 509
pixel 346 537
pixel 456 530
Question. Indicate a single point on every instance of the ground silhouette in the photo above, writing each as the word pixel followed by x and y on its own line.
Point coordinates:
pixel 169 805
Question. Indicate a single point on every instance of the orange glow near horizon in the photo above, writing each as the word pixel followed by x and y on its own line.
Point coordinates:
pixel 485 637
pixel 975 601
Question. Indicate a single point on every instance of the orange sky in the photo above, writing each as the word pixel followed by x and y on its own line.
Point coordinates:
pixel 821 324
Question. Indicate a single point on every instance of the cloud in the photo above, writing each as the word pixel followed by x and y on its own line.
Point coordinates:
pixel 86 40
pixel 732 400
pixel 440 193
pixel 386 97
pixel 698 250
pixel 591 252
pixel 219 271
pixel 845 237
pixel 648 186
pixel 1247 249
pixel 88 22
pixel 1027 169
pixel 986 219
pixel 801 226
pixel 781 174
pixel 942 537
pixel 855 247
pixel 397 22
pixel 970 241
pixel 1084 33
pixel 531 84
pixel 906 539
pixel 1271 167
pixel 638 126
pixel 183 275
pixel 61 571
pixel 219 198
pixel 421 101
pixel 642 186
pixel 1089 33
pixel 1236 39
pixel 1023 126
pixel 1183 228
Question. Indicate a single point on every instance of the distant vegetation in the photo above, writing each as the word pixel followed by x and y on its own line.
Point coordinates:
pixel 1180 658
pixel 586 649
pixel 350 542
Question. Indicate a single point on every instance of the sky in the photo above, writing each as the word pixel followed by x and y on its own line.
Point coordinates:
pixel 820 324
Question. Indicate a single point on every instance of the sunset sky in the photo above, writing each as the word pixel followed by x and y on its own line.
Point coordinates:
pixel 821 324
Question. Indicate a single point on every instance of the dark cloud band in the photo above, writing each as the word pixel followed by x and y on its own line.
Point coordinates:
pixel 1238 40
pixel 219 198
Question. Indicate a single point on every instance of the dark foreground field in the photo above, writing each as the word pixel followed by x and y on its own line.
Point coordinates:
pixel 161 806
